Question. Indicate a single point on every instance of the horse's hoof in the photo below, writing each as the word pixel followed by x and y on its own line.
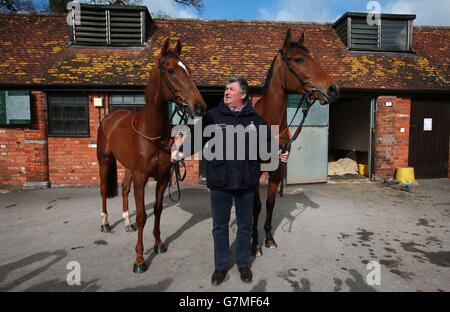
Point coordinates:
pixel 139 267
pixel 270 243
pixel 159 249
pixel 105 228
pixel 130 228
pixel 257 251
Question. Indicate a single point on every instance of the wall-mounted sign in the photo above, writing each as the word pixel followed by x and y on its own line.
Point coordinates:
pixel 427 124
pixel 98 102
pixel 15 107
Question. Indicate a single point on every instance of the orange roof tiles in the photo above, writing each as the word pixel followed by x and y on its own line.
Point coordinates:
pixel 36 50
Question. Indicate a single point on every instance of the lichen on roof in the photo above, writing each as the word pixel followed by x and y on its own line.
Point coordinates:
pixel 37 51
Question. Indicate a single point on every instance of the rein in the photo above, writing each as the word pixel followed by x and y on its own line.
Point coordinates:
pixel 184 116
pixel 287 146
pixel 175 166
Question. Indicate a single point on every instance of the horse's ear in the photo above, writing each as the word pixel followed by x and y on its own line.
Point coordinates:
pixel 301 41
pixel 286 43
pixel 178 48
pixel 287 40
pixel 164 48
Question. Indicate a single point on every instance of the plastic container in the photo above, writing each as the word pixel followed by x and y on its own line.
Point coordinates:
pixel 405 175
pixel 363 169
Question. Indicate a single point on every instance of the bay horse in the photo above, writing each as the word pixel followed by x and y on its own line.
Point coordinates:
pixel 293 70
pixel 141 142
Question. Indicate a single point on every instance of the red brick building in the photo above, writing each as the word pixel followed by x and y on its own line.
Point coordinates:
pixel 388 88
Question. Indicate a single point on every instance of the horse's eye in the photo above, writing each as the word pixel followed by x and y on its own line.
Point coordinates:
pixel 171 70
pixel 298 60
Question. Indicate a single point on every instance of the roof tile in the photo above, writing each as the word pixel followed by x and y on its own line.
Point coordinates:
pixel 35 50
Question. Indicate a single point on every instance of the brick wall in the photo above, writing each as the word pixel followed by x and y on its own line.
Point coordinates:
pixel 73 160
pixel 391 145
pixel 193 171
pixel 27 156
pixel 23 150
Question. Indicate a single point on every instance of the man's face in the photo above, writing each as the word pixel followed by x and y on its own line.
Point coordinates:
pixel 233 96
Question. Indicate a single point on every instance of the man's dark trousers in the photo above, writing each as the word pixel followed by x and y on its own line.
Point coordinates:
pixel 221 202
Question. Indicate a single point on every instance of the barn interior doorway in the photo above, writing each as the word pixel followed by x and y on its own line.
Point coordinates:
pixel 350 139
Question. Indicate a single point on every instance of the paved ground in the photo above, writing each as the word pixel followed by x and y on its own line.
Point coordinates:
pixel 326 233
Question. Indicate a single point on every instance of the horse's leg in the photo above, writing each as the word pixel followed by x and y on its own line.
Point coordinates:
pixel 160 189
pixel 104 225
pixel 274 181
pixel 126 185
pixel 256 248
pixel 139 181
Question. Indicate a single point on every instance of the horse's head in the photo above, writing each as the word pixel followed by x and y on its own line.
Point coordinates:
pixel 303 75
pixel 176 81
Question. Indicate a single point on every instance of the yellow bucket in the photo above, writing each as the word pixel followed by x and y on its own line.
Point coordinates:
pixel 363 169
pixel 405 175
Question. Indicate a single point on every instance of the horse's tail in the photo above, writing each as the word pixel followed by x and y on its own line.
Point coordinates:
pixel 108 166
pixel 111 189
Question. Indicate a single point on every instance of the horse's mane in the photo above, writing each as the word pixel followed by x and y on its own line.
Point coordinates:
pixel 269 77
pixel 270 72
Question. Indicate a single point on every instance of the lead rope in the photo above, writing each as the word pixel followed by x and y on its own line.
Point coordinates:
pixel 175 166
pixel 175 171
pixel 287 145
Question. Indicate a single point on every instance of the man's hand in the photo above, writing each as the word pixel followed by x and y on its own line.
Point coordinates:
pixel 178 140
pixel 283 156
pixel 176 155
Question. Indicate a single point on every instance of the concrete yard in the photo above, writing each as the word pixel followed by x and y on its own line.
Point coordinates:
pixel 326 235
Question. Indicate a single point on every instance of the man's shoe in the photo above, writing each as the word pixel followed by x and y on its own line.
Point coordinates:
pixel 246 275
pixel 218 277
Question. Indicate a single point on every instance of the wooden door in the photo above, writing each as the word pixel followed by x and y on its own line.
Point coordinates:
pixel 429 138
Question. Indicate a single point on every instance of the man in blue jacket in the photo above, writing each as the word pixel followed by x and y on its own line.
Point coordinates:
pixel 233 179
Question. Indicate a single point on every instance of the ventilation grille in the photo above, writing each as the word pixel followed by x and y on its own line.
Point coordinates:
pixel 119 26
pixel 364 36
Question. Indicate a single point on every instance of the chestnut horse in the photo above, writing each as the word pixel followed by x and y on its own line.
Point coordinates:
pixel 141 142
pixel 293 70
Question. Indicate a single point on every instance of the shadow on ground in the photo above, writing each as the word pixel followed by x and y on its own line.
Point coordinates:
pixel 8 268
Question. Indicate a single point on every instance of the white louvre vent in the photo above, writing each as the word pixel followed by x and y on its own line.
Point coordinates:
pixel 111 25
pixel 393 32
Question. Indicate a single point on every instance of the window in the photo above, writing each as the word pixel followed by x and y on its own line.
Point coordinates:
pixel 68 115
pixel 15 107
pixel 392 33
pixel 110 25
pixel 293 101
pixel 134 102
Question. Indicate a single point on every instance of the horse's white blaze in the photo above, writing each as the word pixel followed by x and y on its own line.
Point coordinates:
pixel 104 218
pixel 183 66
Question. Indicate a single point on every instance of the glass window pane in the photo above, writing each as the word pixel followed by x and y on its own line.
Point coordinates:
pixel 394 35
pixel 68 114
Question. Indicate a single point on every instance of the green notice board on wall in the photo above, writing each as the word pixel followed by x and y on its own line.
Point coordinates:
pixel 15 107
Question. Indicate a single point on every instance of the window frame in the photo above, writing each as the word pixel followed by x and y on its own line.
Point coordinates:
pixel 379 47
pixel 123 105
pixel 343 27
pixel 50 117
